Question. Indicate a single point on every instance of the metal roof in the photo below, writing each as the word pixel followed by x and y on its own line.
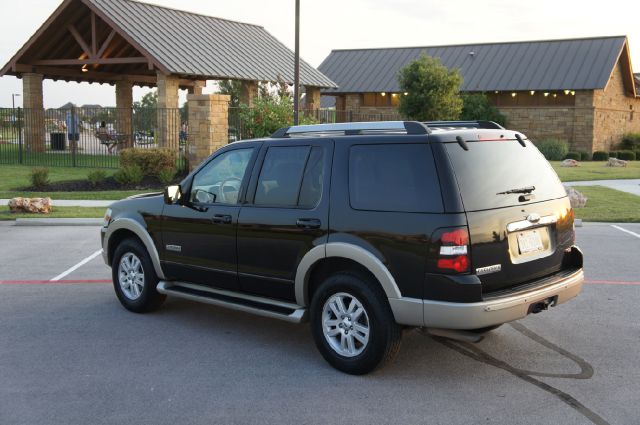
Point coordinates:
pixel 187 44
pixel 576 64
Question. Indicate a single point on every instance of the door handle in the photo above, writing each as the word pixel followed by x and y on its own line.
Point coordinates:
pixel 222 218
pixel 308 223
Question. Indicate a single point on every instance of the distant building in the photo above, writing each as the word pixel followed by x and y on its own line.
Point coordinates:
pixel 579 90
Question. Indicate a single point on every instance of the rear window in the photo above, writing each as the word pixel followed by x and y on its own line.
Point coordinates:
pixel 491 167
pixel 394 177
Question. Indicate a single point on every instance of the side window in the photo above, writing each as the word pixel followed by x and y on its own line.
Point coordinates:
pixel 219 181
pixel 311 189
pixel 394 177
pixel 281 176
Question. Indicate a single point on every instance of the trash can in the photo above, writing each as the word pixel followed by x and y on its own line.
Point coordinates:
pixel 58 141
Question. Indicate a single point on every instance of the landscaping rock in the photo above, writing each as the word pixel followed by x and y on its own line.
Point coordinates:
pixel 578 200
pixel 30 205
pixel 615 162
pixel 570 163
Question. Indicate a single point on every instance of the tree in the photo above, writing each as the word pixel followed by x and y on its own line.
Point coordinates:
pixel 233 88
pixel 145 112
pixel 432 91
pixel 149 100
pixel 478 107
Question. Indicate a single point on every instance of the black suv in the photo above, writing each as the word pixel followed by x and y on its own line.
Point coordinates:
pixel 362 229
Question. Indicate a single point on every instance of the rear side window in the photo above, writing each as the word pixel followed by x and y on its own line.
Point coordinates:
pixel 489 168
pixel 281 176
pixel 394 177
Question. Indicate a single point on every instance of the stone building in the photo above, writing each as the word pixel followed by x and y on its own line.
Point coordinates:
pixel 126 43
pixel 579 90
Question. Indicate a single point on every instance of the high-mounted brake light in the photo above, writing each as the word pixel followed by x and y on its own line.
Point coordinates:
pixel 452 255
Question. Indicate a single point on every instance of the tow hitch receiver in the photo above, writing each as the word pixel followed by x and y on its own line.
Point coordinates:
pixel 536 308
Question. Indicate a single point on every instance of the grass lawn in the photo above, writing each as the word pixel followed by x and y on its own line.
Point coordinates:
pixel 608 205
pixel 58 212
pixel 596 170
pixel 12 176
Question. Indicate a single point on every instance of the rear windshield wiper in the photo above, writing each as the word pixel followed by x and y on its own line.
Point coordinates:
pixel 527 189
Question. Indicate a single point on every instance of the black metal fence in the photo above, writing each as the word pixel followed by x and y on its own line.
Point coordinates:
pixel 93 136
pixel 87 137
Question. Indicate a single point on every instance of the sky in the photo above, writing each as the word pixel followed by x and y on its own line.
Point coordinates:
pixel 344 24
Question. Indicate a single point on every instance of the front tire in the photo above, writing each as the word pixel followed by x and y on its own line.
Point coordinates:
pixel 352 324
pixel 134 278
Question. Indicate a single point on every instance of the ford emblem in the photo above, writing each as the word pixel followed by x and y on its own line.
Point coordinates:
pixel 533 217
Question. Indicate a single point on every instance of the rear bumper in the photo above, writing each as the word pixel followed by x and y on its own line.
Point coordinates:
pixel 449 315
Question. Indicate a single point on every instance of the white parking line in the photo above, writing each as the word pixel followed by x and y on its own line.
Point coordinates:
pixel 626 231
pixel 77 266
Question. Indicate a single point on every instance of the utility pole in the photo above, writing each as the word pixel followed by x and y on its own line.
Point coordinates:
pixel 296 69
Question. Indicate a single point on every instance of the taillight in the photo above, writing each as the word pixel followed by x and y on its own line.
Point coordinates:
pixel 450 252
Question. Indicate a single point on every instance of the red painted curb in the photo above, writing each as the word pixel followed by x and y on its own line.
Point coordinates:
pixel 49 282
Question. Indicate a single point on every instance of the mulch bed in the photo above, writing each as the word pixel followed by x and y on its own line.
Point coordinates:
pixel 109 183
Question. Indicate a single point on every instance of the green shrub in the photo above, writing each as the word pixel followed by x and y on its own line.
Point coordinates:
pixel 166 176
pixel 129 175
pixel 39 177
pixel 96 177
pixel 630 141
pixel 553 149
pixel 572 155
pixel 600 156
pixel 150 161
pixel 627 155
pixel 585 156
pixel 477 106
pixel 613 154
pixel 268 114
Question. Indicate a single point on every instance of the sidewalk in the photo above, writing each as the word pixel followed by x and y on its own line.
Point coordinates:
pixel 630 186
pixel 71 203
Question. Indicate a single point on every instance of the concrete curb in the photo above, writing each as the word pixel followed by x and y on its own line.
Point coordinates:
pixel 58 222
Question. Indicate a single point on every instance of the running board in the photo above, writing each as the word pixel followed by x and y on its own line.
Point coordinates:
pixel 242 302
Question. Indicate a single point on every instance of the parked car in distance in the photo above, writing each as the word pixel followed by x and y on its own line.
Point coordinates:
pixel 363 229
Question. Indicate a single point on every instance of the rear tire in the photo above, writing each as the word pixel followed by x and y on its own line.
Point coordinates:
pixel 352 324
pixel 134 278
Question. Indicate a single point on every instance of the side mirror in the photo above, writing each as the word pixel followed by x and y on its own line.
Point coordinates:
pixel 172 194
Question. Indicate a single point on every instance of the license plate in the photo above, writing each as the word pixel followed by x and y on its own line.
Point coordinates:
pixel 529 241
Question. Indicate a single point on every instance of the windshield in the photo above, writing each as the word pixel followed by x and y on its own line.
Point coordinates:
pixel 495 174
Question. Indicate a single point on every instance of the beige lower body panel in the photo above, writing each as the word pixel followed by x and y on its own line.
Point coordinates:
pixel 448 315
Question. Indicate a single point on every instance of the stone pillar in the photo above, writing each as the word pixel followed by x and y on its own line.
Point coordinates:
pixel 197 88
pixel 248 92
pixel 34 128
pixel 168 112
pixel 208 125
pixel 124 114
pixel 312 99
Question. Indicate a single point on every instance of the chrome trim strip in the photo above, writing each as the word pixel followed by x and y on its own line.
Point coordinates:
pixel 526 224
pixel 351 126
pixel 141 232
pixel 299 315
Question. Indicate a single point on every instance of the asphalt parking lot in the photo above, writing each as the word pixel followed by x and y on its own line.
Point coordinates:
pixel 70 354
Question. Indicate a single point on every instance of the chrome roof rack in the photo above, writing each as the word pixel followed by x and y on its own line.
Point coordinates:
pixel 355 128
pixel 464 124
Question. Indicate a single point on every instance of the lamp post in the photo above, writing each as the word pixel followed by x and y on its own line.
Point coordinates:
pixel 296 69
pixel 13 99
pixel 13 105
